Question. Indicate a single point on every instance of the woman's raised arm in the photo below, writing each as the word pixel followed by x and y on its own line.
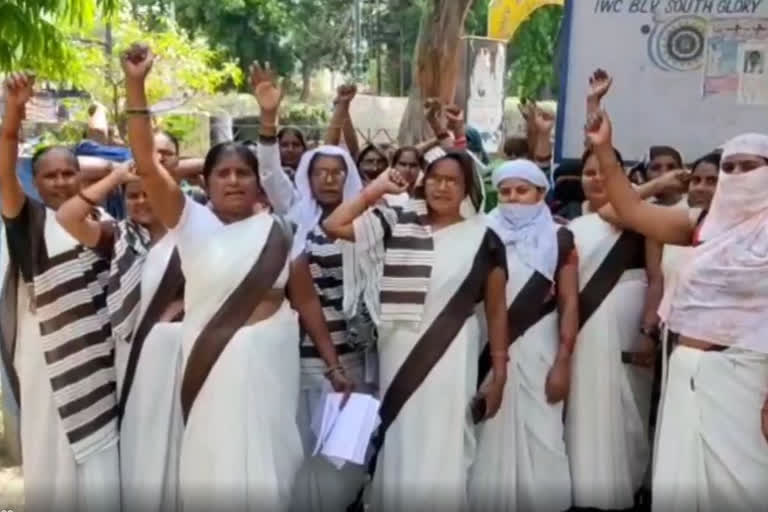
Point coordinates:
pixel 75 214
pixel 18 91
pixel 164 194
pixel 660 223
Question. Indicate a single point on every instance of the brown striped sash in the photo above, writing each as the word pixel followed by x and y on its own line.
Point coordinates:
pixel 8 326
pixel 626 254
pixel 234 313
pixel 429 349
pixel 171 287
pixel 530 305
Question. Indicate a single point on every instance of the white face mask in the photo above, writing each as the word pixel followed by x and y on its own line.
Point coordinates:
pixel 518 215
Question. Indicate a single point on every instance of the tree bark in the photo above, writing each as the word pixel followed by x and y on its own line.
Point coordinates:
pixel 306 81
pixel 436 64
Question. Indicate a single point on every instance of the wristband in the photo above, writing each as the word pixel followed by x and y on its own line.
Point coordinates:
pixel 138 112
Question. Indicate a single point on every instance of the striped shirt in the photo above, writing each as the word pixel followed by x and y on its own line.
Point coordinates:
pixel 326 267
pixel 68 283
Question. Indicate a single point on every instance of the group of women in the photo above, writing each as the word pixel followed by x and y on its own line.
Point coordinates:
pixel 177 359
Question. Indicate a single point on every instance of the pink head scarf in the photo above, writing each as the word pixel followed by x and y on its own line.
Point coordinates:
pixel 722 296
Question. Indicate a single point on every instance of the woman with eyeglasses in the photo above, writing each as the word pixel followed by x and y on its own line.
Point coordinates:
pixel 712 449
pixel 436 266
pixel 326 176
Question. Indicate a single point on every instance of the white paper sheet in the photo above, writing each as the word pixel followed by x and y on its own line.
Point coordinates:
pixel 344 434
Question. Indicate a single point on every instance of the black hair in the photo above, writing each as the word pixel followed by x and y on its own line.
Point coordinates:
pixel 713 158
pixel 40 154
pixel 516 147
pixel 367 149
pixel 292 130
pixel 657 151
pixel 589 152
pixel 174 140
pixel 408 149
pixel 467 166
pixel 221 149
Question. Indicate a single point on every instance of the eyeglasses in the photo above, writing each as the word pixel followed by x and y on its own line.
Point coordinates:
pixel 329 174
pixel 436 181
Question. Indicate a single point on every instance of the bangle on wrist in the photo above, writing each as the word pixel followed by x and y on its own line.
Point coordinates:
pixel 337 368
pixel 88 200
pixel 138 112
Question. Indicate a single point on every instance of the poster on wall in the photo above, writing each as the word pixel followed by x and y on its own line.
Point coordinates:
pixel 486 68
pixel 687 73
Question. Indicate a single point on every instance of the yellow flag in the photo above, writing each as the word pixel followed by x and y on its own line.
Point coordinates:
pixel 506 16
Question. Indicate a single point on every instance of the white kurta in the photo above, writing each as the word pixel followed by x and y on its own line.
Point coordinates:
pixel 521 461
pixel 609 401
pixel 711 451
pixel 425 459
pixel 241 447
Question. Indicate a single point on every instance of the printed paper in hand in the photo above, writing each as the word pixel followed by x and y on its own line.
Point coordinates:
pixel 344 434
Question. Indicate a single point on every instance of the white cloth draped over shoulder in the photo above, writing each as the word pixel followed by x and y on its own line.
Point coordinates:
pixel 712 453
pixel 423 464
pixel 151 428
pixel 723 294
pixel 241 447
pixel 521 461
pixel 609 402
pixel 53 477
pixel 320 486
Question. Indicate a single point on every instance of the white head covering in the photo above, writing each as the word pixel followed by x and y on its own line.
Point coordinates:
pixel 723 293
pixel 306 213
pixel 527 229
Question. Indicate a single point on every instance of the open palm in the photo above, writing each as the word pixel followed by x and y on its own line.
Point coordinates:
pixel 263 81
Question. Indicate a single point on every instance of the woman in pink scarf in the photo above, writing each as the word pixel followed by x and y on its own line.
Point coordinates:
pixel 711 451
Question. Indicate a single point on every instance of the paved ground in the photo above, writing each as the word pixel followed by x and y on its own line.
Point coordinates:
pixel 11 481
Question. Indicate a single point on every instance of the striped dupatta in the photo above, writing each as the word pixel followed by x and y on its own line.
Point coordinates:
pixel 395 254
pixel 69 289
pixel 131 244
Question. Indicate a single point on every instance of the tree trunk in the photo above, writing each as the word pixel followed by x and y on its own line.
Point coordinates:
pixel 436 64
pixel 306 81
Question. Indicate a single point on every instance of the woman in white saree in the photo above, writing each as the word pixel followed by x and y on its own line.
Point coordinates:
pixel 145 302
pixel 57 349
pixel 240 336
pixel 521 461
pixel 436 267
pixel 712 452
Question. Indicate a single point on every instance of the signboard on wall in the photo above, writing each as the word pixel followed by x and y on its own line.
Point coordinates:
pixel 485 69
pixel 687 73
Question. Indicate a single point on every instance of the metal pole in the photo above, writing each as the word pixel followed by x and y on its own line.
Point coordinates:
pixel 377 42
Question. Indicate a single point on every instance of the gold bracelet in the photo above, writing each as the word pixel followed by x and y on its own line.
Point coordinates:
pixel 334 369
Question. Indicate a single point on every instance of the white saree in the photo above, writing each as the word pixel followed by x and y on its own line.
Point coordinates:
pixel 53 479
pixel 424 462
pixel 712 454
pixel 521 461
pixel 151 426
pixel 609 401
pixel 241 447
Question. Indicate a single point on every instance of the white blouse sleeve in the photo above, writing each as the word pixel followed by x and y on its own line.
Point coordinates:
pixel 275 182
pixel 195 225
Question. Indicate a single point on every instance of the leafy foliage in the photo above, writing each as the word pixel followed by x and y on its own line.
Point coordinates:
pixel 532 51
pixel 249 29
pixel 31 35
pixel 185 66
